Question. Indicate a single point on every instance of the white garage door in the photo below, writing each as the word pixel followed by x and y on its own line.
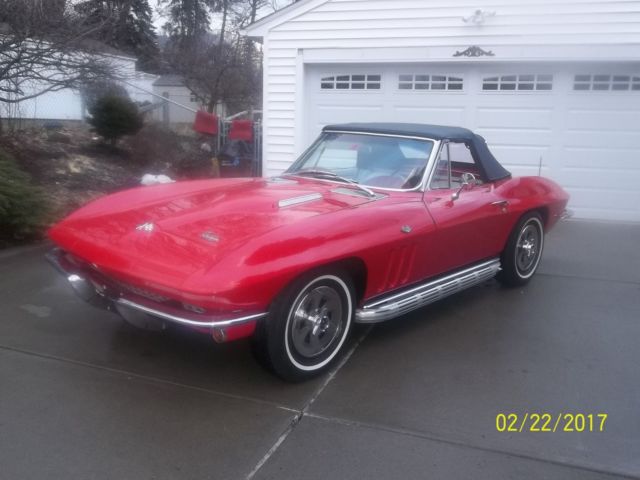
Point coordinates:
pixel 579 125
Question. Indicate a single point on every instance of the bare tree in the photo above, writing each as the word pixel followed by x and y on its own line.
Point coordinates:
pixel 222 66
pixel 45 46
pixel 214 72
pixel 129 24
pixel 246 12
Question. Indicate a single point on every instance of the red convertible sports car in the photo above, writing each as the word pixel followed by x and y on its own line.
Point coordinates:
pixel 371 222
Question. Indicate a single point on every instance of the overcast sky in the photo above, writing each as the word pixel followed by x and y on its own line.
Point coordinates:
pixel 159 20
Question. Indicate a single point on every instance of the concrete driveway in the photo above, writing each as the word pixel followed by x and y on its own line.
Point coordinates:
pixel 83 395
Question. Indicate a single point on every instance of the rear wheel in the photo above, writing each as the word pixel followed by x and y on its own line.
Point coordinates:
pixel 307 325
pixel 522 254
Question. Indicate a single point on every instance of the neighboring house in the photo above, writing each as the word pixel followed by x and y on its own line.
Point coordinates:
pixel 68 104
pixel 139 86
pixel 547 82
pixel 172 86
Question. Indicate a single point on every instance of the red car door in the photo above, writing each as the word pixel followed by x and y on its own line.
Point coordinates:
pixel 472 226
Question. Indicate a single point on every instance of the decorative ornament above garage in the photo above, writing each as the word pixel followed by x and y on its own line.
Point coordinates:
pixel 474 51
pixel 478 17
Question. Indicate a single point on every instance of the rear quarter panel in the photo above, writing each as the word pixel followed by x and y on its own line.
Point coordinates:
pixel 533 193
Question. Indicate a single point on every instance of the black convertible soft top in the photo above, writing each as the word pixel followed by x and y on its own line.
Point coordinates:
pixel 492 168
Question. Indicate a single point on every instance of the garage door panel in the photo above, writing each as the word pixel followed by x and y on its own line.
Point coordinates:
pixel 610 214
pixel 491 117
pixel 614 204
pixel 588 140
pixel 336 113
pixel 329 108
pixel 516 156
pixel 627 139
pixel 604 158
pixel 526 171
pixel 513 136
pixel 435 115
pixel 602 178
pixel 603 120
pixel 601 100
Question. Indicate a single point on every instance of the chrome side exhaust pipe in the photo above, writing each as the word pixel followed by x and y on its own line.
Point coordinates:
pixel 395 305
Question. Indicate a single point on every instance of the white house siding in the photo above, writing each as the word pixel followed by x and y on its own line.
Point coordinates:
pixel 184 110
pixel 61 105
pixel 280 107
pixel 566 37
pixel 536 28
pixel 138 86
pixel 181 95
pixel 67 104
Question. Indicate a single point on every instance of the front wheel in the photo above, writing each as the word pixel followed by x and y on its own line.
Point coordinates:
pixel 522 254
pixel 307 325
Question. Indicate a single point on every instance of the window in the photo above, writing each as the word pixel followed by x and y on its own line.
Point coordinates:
pixel 455 159
pixel 371 160
pixel 527 82
pixel 462 162
pixel 423 82
pixel 193 98
pixel 442 174
pixel 351 82
pixel 460 153
pixel 605 82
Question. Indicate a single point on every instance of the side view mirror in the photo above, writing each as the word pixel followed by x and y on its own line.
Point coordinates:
pixel 467 180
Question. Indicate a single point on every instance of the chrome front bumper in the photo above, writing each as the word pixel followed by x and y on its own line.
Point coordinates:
pixel 103 293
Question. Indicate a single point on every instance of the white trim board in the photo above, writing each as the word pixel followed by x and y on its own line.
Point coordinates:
pixel 538 53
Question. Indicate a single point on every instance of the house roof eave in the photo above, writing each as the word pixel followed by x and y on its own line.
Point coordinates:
pixel 259 28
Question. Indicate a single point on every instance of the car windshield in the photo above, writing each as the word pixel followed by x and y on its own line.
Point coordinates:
pixel 368 160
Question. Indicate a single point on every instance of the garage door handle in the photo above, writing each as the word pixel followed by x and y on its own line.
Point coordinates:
pixel 503 204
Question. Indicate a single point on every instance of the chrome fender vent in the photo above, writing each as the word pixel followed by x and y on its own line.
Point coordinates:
pixel 288 202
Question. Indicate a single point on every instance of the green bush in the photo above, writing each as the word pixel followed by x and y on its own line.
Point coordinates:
pixel 22 206
pixel 97 89
pixel 114 116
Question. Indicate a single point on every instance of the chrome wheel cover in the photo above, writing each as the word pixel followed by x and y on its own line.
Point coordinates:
pixel 528 248
pixel 317 321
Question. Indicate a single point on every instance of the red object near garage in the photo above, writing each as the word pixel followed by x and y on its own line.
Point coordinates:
pixel 241 130
pixel 206 123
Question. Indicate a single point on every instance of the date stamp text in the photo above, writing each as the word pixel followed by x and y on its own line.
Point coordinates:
pixel 547 422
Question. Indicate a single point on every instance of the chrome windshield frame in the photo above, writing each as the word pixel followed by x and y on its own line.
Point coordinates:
pixel 418 188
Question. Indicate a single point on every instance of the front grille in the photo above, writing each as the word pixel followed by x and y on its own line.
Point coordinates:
pixel 113 288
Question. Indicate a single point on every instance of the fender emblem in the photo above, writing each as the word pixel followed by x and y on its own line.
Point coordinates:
pixel 406 229
pixel 146 227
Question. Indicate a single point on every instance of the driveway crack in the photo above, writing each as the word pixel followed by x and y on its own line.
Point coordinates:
pixel 147 378
pixel 443 438
pixel 305 410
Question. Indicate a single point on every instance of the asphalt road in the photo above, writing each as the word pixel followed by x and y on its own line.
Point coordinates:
pixel 84 396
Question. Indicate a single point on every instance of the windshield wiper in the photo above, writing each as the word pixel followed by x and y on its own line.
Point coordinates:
pixel 332 176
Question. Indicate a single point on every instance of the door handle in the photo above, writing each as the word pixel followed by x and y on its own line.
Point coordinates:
pixel 503 204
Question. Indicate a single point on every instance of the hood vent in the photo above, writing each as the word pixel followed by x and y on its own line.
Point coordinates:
pixel 288 202
pixel 357 193
pixel 281 180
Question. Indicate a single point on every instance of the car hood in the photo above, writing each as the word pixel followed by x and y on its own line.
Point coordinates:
pixel 182 228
